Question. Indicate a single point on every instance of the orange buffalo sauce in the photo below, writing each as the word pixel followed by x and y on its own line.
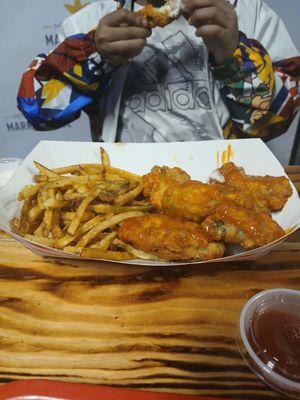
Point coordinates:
pixel 226 156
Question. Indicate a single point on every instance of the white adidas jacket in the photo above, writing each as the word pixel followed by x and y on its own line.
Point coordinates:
pixel 255 19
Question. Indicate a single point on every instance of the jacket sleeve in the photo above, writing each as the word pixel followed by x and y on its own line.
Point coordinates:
pixel 58 86
pixel 262 93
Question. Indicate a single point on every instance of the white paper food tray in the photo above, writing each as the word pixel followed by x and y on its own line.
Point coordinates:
pixel 199 159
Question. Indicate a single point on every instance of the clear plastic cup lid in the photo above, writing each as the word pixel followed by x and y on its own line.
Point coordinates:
pixel 269 338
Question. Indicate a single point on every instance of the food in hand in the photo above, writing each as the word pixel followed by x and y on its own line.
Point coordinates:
pixel 161 16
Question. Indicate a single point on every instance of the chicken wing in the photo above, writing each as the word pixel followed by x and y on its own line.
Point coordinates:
pixel 233 224
pixel 195 200
pixel 161 16
pixel 169 238
pixel 269 191
pixel 159 180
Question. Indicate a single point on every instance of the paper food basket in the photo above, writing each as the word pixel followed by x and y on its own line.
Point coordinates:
pixel 199 159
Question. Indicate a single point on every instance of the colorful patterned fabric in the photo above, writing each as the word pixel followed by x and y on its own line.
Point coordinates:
pixel 57 87
pixel 262 97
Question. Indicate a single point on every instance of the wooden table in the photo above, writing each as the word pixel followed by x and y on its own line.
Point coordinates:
pixel 170 329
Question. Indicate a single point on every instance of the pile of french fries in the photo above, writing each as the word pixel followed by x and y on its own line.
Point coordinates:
pixel 78 209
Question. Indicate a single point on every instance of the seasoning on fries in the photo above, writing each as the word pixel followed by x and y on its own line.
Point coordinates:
pixel 78 208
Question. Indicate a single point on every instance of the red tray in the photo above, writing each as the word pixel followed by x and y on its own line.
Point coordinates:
pixel 52 390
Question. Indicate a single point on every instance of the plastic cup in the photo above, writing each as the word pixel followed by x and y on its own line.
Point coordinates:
pixel 269 338
pixel 8 167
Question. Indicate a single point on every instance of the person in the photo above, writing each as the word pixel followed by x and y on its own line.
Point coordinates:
pixel 225 69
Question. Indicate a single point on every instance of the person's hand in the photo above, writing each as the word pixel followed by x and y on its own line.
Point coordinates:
pixel 121 35
pixel 216 22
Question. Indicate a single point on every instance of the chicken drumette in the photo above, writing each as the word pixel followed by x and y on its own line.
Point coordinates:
pixel 267 191
pixel 195 200
pixel 159 180
pixel 169 238
pixel 249 229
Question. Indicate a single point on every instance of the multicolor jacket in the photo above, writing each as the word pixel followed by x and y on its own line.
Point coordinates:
pixel 256 93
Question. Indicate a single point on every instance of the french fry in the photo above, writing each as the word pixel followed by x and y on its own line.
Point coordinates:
pixel 70 215
pixel 54 203
pixel 42 196
pixel 66 223
pixel 82 171
pixel 56 230
pixel 96 253
pixel 114 177
pixel 80 212
pixel 48 215
pixel 24 223
pixel 64 241
pixel 39 231
pixel 78 168
pixel 129 196
pixel 15 222
pixel 65 182
pixel 140 203
pixel 48 221
pixel 108 223
pixel 81 188
pixel 35 213
pixel 29 191
pixel 91 223
pixel 124 174
pixel 73 249
pixel 70 169
pixel 136 252
pixel 107 241
pixel 108 208
pixel 105 161
pixel 68 239
pixel 45 171
pixel 80 180
pixel 41 240
pixel 75 196
pixel 40 178
pixel 95 169
pixel 69 191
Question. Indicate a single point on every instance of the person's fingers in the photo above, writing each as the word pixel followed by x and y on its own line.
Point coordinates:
pixel 126 33
pixel 109 35
pixel 121 16
pixel 117 59
pixel 208 31
pixel 117 26
pixel 208 16
pixel 190 5
pixel 124 48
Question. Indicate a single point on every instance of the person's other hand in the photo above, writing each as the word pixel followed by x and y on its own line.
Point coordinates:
pixel 121 35
pixel 216 22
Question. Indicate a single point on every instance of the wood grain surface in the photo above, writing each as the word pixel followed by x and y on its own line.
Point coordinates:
pixel 156 328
